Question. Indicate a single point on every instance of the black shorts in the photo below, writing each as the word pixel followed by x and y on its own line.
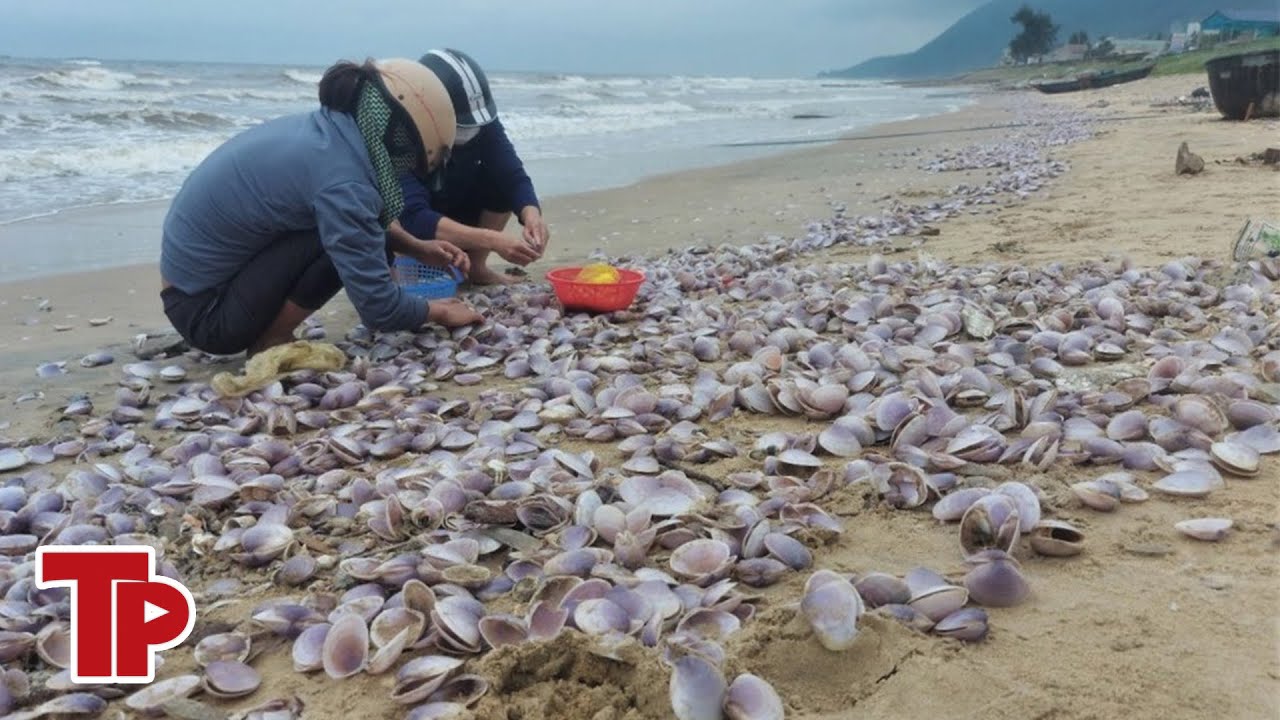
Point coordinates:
pixel 469 190
pixel 228 319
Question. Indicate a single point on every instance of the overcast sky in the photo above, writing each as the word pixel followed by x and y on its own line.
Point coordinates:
pixel 720 37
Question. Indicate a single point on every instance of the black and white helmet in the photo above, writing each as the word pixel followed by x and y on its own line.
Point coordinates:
pixel 467 85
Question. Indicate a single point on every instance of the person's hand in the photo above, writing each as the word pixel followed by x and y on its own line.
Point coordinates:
pixel 452 313
pixel 535 232
pixel 439 253
pixel 513 250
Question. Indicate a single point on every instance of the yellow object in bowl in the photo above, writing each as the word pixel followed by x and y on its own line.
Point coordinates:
pixel 599 274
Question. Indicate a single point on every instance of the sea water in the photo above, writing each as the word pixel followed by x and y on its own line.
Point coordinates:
pixel 80 132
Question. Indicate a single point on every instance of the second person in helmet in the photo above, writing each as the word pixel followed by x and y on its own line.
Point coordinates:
pixel 277 220
pixel 482 186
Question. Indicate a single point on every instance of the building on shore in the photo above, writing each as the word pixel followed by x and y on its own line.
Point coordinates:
pixel 1072 52
pixel 1137 47
pixel 1231 24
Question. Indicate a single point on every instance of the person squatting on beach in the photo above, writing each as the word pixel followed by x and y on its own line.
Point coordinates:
pixel 484 183
pixel 274 222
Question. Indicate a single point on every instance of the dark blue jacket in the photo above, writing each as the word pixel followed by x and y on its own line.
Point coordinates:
pixel 489 158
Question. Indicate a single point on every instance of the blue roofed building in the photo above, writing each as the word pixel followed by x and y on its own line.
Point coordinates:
pixel 1232 23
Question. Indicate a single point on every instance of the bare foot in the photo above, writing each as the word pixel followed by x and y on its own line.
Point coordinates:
pixel 484 275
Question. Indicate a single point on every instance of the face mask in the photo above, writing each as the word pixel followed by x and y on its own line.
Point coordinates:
pixel 465 135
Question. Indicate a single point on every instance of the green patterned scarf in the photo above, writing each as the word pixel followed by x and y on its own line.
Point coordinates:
pixel 377 124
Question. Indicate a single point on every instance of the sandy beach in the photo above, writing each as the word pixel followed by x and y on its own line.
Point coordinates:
pixel 1145 623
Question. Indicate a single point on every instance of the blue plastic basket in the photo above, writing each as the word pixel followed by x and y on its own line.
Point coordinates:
pixel 426 281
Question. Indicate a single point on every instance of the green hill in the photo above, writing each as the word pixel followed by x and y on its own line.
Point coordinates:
pixel 978 39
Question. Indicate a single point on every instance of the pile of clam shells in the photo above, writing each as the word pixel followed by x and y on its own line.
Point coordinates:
pixel 640 477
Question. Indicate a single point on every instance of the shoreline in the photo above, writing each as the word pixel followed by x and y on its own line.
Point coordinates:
pixel 96 226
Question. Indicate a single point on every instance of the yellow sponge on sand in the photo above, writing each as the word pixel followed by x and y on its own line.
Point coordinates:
pixel 274 363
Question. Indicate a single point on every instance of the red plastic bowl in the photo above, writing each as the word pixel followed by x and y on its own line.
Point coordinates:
pixel 595 297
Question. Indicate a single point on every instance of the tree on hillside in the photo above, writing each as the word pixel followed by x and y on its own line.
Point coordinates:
pixel 1037 37
pixel 1079 37
pixel 1103 49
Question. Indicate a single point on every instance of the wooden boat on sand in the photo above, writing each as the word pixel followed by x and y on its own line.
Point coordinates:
pixel 1089 81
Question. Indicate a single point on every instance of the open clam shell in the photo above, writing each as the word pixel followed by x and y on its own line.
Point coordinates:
pixel 1128 426
pixel 459 624
pixel 422 676
pixel 996 581
pixel 308 648
pixel 788 550
pixel 759 572
pixel 966 624
pixel 903 486
pixel 939 601
pixel 346 647
pixel 12 459
pixel 953 505
pixel 1026 502
pixel 932 596
pixel 1207 529
pixel 1235 458
pixel 417 595
pixel 71 704
pixel 1263 438
pixel 1057 538
pixel 230 679
pixel 296 570
pixel 387 655
pixel 907 615
pixel 546 621
pixel 222 646
pixel 14 645
pixel 878 589
pixel 53 644
pixel 750 697
pixel 366 607
pixel 1195 483
pixel 992 522
pixel 500 630
pixel 1097 495
pixel 152 697
pixel 798 462
pixel 714 625
pixel 1201 413
pixel 392 621
pixel 263 543
pixel 464 690
pixel 832 606
pixel 697 690
pixel 438 711
pixel 841 439
pixel 1244 414
pixel 599 616
pixel 702 561
pixel 172 373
